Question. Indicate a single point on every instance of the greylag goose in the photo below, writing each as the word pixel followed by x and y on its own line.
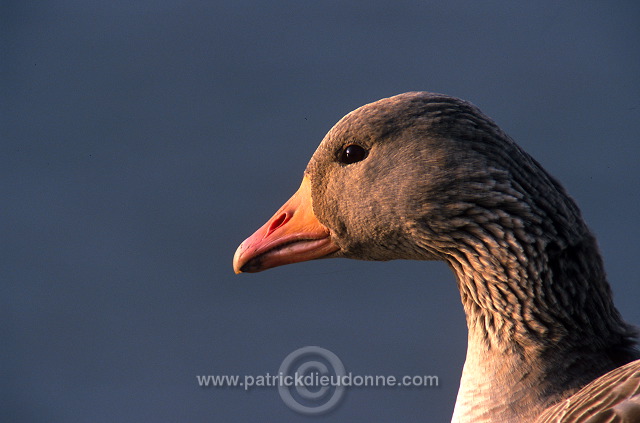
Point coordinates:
pixel 429 177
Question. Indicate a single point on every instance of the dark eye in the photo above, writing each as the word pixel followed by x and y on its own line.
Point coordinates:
pixel 353 153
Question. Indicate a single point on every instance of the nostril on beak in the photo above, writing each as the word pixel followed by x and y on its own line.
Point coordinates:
pixel 277 222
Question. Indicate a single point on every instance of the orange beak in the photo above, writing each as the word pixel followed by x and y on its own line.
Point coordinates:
pixel 292 235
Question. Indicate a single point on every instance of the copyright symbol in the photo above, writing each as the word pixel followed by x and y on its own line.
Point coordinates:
pixel 310 374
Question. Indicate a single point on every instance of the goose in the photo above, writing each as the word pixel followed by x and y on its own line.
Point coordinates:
pixel 426 176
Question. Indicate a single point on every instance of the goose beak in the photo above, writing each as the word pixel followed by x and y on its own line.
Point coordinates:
pixel 292 235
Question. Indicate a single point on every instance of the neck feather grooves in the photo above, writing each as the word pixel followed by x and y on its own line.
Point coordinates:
pixel 535 294
pixel 541 321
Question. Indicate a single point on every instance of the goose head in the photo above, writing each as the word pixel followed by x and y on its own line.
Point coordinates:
pixel 414 176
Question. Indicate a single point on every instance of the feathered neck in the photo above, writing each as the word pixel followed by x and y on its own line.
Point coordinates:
pixel 541 320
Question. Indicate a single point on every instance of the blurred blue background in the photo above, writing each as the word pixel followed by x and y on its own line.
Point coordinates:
pixel 143 140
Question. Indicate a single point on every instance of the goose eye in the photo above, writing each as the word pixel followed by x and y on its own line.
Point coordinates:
pixel 352 153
